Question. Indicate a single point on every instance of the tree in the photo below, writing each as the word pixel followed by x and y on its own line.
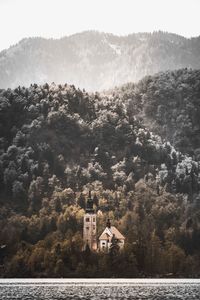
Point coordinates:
pixel 81 201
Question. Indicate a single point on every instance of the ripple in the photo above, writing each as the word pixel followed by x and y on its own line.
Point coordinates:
pixel 100 290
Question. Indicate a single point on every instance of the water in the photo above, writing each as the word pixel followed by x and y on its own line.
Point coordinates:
pixel 140 289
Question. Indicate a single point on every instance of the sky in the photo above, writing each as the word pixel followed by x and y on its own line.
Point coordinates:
pixel 58 18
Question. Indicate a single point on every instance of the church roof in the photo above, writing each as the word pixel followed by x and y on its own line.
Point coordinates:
pixel 104 236
pixel 108 232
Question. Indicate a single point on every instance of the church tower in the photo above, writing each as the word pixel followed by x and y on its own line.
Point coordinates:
pixel 89 225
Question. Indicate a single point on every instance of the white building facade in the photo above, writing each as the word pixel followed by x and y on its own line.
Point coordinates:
pixel 106 238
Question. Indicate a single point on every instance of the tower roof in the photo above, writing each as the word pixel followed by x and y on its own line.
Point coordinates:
pixel 90 204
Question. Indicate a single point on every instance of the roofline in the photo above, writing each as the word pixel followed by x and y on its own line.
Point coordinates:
pixel 119 232
pixel 122 238
pixel 109 229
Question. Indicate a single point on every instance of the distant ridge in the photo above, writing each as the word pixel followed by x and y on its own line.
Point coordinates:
pixel 94 60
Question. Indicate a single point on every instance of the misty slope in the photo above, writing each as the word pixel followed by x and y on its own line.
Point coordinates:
pixel 94 60
pixel 58 142
pixel 168 104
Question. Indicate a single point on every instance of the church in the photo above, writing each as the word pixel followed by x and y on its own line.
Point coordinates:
pixel 109 235
pixel 90 225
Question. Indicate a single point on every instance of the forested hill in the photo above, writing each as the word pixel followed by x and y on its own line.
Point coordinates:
pixel 169 105
pixel 58 142
pixel 107 59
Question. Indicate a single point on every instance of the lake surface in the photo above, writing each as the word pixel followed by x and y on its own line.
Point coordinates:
pixel 151 289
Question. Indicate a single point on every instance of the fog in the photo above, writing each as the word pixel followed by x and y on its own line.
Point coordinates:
pixel 57 18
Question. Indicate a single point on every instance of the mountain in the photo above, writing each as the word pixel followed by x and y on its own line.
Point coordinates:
pixel 59 142
pixel 94 60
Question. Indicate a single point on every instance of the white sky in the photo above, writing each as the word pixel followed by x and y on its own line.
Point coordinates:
pixel 57 18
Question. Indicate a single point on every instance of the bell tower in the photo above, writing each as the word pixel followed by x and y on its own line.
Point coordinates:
pixel 89 225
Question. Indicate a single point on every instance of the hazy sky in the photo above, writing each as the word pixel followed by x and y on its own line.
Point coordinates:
pixel 57 18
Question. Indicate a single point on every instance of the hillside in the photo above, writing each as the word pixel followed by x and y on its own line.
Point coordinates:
pixel 168 104
pixel 58 142
pixel 107 60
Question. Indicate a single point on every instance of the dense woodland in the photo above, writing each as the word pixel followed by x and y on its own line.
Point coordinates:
pixel 136 148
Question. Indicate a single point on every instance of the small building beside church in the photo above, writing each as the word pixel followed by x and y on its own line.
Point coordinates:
pixel 110 233
pixel 107 236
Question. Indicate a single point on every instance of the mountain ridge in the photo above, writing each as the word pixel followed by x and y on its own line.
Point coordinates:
pixel 95 60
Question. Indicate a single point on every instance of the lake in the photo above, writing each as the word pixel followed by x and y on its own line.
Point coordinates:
pixel 151 289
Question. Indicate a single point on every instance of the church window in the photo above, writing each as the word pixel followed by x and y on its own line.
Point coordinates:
pixel 93 219
pixel 93 227
pixel 87 228
pixel 87 219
